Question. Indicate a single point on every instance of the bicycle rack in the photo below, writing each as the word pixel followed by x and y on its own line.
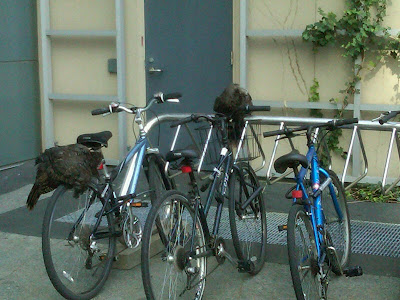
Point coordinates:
pixel 355 130
pixel 393 137
pixel 281 121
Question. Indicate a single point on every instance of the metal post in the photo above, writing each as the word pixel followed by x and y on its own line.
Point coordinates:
pixel 243 43
pixel 121 75
pixel 48 122
pixel 357 114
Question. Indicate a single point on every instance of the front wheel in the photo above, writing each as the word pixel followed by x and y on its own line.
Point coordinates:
pixel 169 270
pixel 248 226
pixel 303 257
pixel 77 265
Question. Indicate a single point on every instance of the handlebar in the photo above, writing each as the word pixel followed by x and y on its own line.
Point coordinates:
pixel 333 124
pixel 118 107
pixel 250 108
pixel 193 118
pixel 196 117
pixel 387 116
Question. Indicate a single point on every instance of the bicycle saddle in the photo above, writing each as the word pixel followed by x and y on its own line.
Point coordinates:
pixel 94 140
pixel 177 154
pixel 290 160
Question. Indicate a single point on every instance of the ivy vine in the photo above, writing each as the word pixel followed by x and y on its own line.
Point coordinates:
pixel 358 31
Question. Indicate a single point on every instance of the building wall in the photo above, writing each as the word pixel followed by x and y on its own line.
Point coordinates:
pixel 79 66
pixel 278 68
pixel 284 68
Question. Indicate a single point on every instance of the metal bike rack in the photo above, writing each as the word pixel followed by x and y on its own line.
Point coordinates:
pixel 295 121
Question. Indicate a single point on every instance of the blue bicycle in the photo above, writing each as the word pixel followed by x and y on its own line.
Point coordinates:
pixel 80 231
pixel 318 227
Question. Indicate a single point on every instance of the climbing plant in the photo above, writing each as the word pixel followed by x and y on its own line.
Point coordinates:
pixel 359 31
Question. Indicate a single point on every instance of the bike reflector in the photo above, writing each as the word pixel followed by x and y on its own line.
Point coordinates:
pixel 298 194
pixel 186 169
pixel 100 167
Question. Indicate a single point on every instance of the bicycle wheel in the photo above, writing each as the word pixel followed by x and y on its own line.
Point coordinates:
pixel 336 226
pixel 158 182
pixel 303 257
pixel 76 265
pixel 249 226
pixel 167 272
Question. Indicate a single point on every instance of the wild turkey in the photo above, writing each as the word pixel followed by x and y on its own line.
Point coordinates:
pixel 72 165
pixel 228 102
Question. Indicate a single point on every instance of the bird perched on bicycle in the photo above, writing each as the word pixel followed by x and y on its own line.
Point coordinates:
pixel 228 103
pixel 71 165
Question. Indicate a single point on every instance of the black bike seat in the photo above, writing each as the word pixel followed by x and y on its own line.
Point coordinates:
pixel 94 140
pixel 177 154
pixel 290 160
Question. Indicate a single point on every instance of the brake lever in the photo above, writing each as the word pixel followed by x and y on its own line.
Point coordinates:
pixel 380 117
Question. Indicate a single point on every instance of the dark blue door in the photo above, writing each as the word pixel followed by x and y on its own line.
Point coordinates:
pixel 188 49
pixel 19 84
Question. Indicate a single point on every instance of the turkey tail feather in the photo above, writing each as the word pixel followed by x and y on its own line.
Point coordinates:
pixel 33 197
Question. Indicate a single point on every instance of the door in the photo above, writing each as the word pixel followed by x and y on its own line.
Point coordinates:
pixel 19 84
pixel 188 50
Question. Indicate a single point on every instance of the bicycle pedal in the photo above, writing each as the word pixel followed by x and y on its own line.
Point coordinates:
pixel 353 271
pixel 282 227
pixel 245 266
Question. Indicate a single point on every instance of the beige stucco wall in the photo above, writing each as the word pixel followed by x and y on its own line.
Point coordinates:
pixel 79 66
pixel 284 68
pixel 278 69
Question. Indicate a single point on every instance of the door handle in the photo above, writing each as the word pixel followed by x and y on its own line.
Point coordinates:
pixel 152 70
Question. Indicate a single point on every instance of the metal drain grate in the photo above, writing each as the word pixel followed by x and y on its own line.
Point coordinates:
pixel 371 238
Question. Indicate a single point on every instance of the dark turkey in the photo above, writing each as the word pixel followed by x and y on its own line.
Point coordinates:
pixel 228 103
pixel 71 165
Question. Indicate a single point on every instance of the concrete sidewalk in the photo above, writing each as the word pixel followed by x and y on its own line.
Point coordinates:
pixel 23 276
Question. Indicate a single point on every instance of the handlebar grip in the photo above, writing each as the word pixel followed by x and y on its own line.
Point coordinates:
pixel 249 108
pixel 342 122
pixel 389 116
pixel 172 96
pixel 274 132
pixel 100 111
pixel 183 121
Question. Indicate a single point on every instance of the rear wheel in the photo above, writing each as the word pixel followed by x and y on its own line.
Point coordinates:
pixel 248 226
pixel 167 271
pixel 303 257
pixel 77 264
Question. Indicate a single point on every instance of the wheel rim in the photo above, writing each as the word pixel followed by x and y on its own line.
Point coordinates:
pixel 76 264
pixel 337 228
pixel 306 257
pixel 249 224
pixel 168 264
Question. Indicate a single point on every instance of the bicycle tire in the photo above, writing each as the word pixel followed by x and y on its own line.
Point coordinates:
pixel 249 226
pixel 175 214
pixel 74 275
pixel 157 180
pixel 303 263
pixel 339 230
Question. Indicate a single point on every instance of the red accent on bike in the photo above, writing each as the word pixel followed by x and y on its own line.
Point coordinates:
pixel 100 167
pixel 297 194
pixel 186 169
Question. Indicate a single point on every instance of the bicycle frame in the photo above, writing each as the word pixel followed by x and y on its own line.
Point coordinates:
pixel 313 204
pixel 135 159
pixel 202 213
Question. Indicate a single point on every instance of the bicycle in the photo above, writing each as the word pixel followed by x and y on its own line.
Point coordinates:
pixel 79 234
pixel 318 226
pixel 174 261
